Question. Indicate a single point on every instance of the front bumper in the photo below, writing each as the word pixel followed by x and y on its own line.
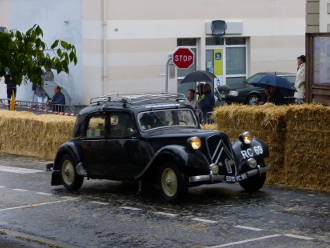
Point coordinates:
pixel 211 178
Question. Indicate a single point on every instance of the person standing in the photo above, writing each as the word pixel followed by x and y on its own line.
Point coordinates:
pixel 207 103
pixel 33 94
pixel 199 91
pixel 191 99
pixel 58 100
pixel 42 96
pixel 299 95
pixel 11 84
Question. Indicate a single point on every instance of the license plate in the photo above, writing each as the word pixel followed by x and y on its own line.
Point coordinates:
pixel 233 179
pixel 251 152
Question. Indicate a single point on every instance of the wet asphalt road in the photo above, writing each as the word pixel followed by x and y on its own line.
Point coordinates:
pixel 112 214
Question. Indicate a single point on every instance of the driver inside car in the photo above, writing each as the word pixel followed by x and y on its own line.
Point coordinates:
pixel 150 120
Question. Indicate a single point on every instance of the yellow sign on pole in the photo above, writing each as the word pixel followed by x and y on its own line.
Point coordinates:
pixel 12 103
pixel 218 62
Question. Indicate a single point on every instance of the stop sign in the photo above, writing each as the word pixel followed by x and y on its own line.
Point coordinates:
pixel 183 57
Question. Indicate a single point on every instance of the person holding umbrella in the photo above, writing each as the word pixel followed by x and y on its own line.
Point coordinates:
pixel 207 103
pixel 272 84
pixel 273 95
pixel 199 91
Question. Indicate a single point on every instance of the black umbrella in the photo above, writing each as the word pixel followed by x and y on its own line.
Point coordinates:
pixel 199 76
pixel 273 80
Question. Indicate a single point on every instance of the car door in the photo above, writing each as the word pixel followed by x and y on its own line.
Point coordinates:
pixel 93 145
pixel 126 157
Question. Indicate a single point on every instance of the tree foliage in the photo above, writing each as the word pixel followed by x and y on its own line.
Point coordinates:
pixel 26 55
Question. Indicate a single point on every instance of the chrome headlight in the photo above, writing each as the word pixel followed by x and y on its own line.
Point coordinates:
pixel 233 93
pixel 252 163
pixel 214 168
pixel 245 137
pixel 194 142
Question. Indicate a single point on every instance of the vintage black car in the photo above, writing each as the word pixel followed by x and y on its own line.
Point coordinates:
pixel 157 139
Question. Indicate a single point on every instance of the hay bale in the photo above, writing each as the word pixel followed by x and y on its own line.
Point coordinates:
pixel 307 152
pixel 26 133
pixel 297 137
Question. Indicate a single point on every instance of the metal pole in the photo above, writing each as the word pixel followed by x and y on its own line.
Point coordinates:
pixel 166 74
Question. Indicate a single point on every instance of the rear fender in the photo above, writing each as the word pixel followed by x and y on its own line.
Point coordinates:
pixel 68 148
pixel 188 160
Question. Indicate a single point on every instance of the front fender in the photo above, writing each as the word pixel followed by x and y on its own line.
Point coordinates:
pixel 188 160
pixel 257 150
pixel 68 148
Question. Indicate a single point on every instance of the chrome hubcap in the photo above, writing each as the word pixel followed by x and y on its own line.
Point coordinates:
pixel 67 172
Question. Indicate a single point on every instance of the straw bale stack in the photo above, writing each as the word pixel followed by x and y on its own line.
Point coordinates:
pixel 26 133
pixel 266 122
pixel 307 153
pixel 297 137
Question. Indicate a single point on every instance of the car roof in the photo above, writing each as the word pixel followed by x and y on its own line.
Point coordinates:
pixel 276 73
pixel 135 102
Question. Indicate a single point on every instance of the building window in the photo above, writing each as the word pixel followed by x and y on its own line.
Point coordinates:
pixel 226 58
pixel 235 60
pixel 235 41
pixel 186 42
pixel 215 41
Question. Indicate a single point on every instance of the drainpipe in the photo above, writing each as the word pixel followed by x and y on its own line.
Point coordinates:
pixel 105 52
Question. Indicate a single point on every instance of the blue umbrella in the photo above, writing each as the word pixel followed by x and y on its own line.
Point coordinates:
pixel 273 80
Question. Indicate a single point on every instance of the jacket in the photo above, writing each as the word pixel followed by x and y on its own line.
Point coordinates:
pixel 300 82
pixel 207 104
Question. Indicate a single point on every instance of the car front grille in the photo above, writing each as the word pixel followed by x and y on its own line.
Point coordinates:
pixel 221 153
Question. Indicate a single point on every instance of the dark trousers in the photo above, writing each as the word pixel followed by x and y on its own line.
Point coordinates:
pixel 9 93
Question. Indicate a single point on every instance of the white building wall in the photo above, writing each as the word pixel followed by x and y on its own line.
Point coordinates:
pixel 123 45
pixel 324 11
pixel 141 35
pixel 60 19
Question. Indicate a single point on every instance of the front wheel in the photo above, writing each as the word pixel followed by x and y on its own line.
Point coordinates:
pixel 172 182
pixel 68 174
pixel 253 99
pixel 255 182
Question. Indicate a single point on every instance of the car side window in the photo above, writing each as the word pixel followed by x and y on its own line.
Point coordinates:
pixel 291 79
pixel 95 127
pixel 121 124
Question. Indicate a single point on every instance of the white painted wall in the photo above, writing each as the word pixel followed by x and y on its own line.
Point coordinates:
pixel 60 19
pixel 324 15
pixel 275 30
pixel 123 45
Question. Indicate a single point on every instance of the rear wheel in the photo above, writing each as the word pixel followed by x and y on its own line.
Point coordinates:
pixel 172 182
pixel 255 182
pixel 68 174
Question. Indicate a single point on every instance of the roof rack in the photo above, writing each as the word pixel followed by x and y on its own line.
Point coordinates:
pixel 136 98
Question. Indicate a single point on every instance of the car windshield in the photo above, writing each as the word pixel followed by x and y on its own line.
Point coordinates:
pixel 163 118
